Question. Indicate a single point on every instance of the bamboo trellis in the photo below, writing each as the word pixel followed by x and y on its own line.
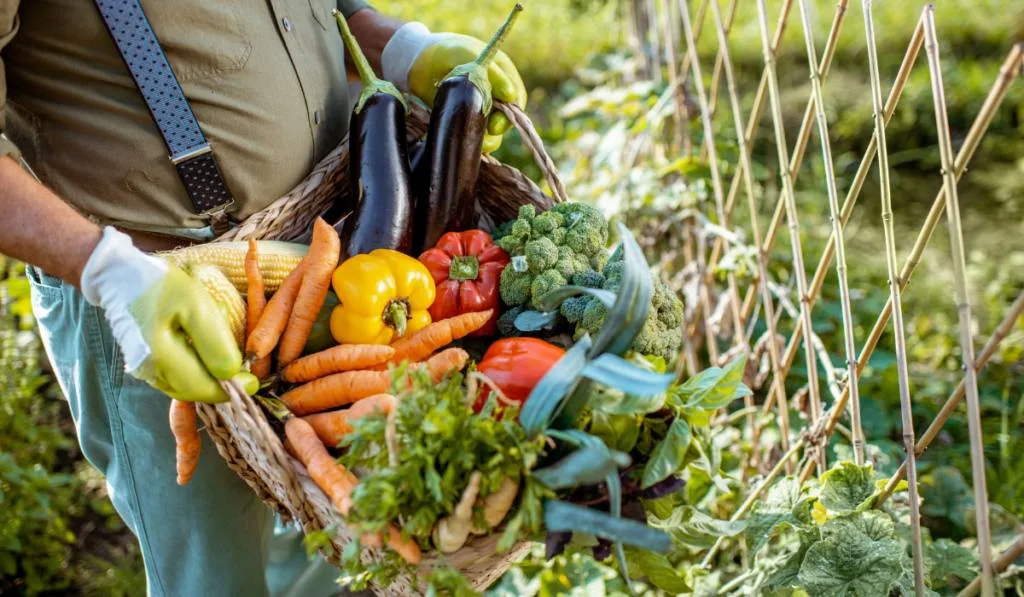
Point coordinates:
pixel 685 70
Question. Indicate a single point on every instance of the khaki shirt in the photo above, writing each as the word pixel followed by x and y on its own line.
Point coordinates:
pixel 265 78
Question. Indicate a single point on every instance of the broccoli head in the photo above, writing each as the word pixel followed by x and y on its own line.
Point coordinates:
pixel 661 333
pixel 549 249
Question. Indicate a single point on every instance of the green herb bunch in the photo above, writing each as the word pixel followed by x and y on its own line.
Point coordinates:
pixel 439 441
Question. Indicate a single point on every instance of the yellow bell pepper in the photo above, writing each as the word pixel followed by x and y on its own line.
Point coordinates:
pixel 384 296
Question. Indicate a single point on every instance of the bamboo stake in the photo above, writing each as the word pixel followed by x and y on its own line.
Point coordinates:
pixel 902 76
pixel 1006 558
pixel 894 296
pixel 652 35
pixel 709 144
pixel 964 306
pixel 1007 74
pixel 716 72
pixel 789 198
pixel 778 380
pixel 949 407
pixel 831 43
pixel 837 231
pixel 678 108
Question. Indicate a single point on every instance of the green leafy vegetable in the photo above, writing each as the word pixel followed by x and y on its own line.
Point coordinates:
pixel 669 454
pixel 847 487
pixel 858 556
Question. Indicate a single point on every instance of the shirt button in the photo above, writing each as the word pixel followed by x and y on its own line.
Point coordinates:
pixel 316 117
pixel 287 24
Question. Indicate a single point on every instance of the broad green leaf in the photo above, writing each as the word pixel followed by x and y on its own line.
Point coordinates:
pixel 715 387
pixel 534 321
pixel 618 373
pixel 658 571
pixel 858 556
pixel 587 466
pixel 547 397
pixel 777 510
pixel 847 487
pixel 619 403
pixel 785 576
pixel 563 516
pixel 945 495
pixel 693 528
pixel 618 432
pixel 552 300
pixel 946 559
pixel 669 454
pixel 633 302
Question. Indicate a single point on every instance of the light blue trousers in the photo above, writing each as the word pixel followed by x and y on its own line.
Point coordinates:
pixel 211 537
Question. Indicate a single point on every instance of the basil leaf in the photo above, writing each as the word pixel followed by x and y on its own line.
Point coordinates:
pixel 669 454
pixel 618 432
pixel 659 571
pixel 547 396
pixel 618 373
pixel 554 298
pixel 563 516
pixel 715 388
pixel 534 321
pixel 615 402
pixel 693 528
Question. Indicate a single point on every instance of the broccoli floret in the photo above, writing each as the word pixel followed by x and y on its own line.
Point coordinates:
pixel 593 317
pixel 660 334
pixel 541 255
pixel 550 248
pixel 586 228
pixel 570 263
pixel 589 279
pixel 544 283
pixel 546 222
pixel 572 308
pixel 515 286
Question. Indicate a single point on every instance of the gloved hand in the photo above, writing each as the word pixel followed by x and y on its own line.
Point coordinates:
pixel 169 329
pixel 416 60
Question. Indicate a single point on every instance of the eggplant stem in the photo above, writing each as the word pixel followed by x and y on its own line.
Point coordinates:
pixel 491 49
pixel 464 267
pixel 372 85
pixel 476 71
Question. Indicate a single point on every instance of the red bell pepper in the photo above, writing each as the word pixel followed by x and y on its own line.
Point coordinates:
pixel 466 267
pixel 516 365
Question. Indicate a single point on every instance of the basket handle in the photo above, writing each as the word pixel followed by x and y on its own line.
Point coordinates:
pixel 533 142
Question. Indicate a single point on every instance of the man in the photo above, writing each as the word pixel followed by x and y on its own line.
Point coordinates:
pixel 266 81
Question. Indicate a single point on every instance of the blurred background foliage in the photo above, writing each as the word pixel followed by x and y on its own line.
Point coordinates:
pixel 59 533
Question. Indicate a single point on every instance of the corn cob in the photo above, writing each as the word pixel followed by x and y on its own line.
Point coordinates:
pixel 228 300
pixel 277 260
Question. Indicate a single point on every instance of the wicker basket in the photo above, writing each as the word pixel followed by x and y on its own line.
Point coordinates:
pixel 240 430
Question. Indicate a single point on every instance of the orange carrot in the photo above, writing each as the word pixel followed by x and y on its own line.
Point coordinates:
pixel 338 482
pixel 255 303
pixel 437 335
pixel 322 259
pixel 345 357
pixel 186 438
pixel 344 388
pixel 332 426
pixel 264 336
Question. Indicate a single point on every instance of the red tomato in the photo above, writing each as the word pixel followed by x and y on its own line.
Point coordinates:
pixel 516 365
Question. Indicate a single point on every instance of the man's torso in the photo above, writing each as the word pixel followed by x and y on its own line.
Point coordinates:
pixel 266 80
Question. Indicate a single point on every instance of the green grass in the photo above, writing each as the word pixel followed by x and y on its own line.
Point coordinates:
pixel 548 43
